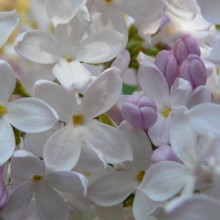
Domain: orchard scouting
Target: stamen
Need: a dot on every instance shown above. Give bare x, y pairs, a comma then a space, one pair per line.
37, 178
140, 176
3, 110
166, 112
78, 120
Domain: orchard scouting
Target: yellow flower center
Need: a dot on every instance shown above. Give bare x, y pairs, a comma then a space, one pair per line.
140, 176
78, 120
69, 60
109, 1
3, 110
166, 112
37, 178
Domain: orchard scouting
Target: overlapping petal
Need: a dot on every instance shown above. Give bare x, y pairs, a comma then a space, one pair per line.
102, 94
25, 165
67, 181
7, 81
8, 22
109, 141
62, 11
62, 101
72, 75
100, 47
164, 180
62, 150
49, 204
7, 141
38, 47
112, 189
31, 115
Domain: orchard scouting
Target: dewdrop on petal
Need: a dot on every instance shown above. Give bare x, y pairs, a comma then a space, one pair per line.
139, 111
193, 70
167, 64
184, 46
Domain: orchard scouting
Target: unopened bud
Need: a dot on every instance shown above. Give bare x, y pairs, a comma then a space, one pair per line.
184, 46
139, 111
193, 70
167, 64
164, 153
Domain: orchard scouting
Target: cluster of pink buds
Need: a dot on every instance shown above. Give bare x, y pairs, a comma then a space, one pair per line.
183, 61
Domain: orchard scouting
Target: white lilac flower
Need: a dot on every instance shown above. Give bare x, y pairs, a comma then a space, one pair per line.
35, 180
63, 148
113, 188
8, 22
166, 179
154, 85
27, 114
109, 14
68, 49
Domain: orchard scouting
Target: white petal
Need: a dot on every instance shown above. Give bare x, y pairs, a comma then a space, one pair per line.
100, 47
8, 22
7, 141
214, 56
49, 204
148, 10
102, 94
18, 202
7, 81
31, 115
204, 118
142, 206
91, 161
153, 82
62, 101
62, 11
68, 37
200, 207
180, 91
210, 10
38, 47
62, 150
110, 18
201, 94
67, 181
164, 180
35, 142
122, 61
109, 141
72, 75
184, 141
159, 132
112, 189
24, 165
141, 148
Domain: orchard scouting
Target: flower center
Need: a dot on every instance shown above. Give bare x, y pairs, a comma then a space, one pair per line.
37, 178
109, 1
69, 60
166, 112
140, 176
3, 110
78, 120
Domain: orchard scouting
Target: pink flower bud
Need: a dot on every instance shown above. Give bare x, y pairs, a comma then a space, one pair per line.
193, 70
139, 111
167, 64
184, 46
164, 153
